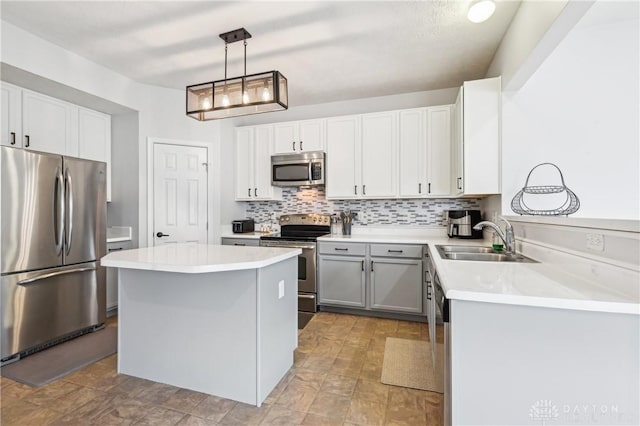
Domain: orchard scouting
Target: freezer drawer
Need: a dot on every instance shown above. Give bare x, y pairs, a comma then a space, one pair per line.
44, 306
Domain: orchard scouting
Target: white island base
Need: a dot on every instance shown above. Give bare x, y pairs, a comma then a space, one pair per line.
228, 333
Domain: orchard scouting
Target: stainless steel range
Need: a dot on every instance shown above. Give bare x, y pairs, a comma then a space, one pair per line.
301, 231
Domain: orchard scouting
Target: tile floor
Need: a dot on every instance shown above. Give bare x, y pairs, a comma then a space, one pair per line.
335, 381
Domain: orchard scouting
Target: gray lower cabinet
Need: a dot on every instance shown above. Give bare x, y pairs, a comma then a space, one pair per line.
342, 281
112, 274
240, 241
380, 277
396, 285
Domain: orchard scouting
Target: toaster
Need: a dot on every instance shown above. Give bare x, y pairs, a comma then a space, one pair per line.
243, 225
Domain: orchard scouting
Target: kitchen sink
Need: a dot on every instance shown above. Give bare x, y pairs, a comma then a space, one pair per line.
482, 254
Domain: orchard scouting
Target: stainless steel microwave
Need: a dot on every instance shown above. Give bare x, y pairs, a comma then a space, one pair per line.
304, 169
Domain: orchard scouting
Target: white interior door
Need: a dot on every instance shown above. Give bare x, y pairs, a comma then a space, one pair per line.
179, 194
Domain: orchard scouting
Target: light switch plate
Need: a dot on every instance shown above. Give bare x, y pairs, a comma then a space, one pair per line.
595, 242
281, 289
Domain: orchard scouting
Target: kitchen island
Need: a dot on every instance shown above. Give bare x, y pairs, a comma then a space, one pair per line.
215, 319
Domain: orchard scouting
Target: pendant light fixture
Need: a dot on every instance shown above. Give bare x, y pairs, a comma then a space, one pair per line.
232, 97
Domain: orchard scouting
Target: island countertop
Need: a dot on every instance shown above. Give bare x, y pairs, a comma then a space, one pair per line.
197, 258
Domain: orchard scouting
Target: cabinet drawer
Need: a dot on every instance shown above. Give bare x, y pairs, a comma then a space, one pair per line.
120, 245
350, 249
240, 242
396, 250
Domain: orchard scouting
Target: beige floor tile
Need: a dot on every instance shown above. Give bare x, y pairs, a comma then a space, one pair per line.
245, 414
75, 399
298, 396
46, 395
127, 412
319, 363
156, 416
352, 352
91, 410
214, 408
189, 420
366, 412
310, 377
371, 391
157, 393
405, 417
131, 386
339, 385
316, 420
371, 372
17, 391
278, 415
330, 405
359, 341
184, 400
347, 367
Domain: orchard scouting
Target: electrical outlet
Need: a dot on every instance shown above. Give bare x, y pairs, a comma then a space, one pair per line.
281, 289
595, 242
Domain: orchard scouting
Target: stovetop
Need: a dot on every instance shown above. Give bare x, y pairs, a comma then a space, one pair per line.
301, 227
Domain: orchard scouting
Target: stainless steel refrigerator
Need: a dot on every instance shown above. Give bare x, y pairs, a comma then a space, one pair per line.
53, 236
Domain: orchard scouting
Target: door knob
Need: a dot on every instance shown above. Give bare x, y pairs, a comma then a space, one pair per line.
160, 235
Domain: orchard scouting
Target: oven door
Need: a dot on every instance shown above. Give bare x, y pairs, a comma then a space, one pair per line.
306, 262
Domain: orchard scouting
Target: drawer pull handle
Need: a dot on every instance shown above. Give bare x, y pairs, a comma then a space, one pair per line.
239, 244
341, 249
116, 249
394, 251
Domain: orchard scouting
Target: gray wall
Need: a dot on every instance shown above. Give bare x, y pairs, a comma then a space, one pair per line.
123, 208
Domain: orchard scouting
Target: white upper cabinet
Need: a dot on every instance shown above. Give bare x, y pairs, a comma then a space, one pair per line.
439, 151
343, 157
425, 152
49, 124
254, 146
413, 152
11, 110
94, 139
379, 155
299, 136
362, 156
479, 119
457, 147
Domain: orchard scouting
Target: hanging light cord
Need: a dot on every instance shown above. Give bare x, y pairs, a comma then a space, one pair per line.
226, 45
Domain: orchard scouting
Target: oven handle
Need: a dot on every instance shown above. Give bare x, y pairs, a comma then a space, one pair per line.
306, 296
288, 245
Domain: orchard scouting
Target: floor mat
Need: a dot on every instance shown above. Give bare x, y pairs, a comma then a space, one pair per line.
408, 363
58, 361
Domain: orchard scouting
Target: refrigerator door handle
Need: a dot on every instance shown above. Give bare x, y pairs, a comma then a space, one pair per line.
55, 274
59, 212
68, 193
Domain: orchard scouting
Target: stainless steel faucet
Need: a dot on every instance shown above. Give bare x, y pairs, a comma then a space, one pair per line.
506, 236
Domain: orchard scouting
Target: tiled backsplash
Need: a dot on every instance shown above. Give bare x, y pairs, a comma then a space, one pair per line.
425, 212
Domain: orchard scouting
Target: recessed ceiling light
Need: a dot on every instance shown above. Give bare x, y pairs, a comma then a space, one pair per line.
481, 11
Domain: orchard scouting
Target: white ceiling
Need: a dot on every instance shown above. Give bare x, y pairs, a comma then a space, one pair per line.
328, 50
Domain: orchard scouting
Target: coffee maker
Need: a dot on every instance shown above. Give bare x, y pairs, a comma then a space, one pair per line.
460, 223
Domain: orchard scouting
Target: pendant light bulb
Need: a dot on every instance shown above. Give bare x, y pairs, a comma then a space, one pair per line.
245, 97
265, 94
225, 100
206, 104
481, 11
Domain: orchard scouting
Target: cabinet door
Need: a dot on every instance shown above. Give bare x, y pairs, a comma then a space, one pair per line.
244, 163
413, 147
262, 149
342, 281
112, 274
311, 135
49, 125
379, 155
94, 139
439, 155
481, 134
343, 158
396, 285
285, 136
457, 146
240, 242
11, 126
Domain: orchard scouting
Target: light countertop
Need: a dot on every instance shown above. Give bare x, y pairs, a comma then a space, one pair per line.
559, 280
247, 235
198, 258
117, 234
